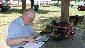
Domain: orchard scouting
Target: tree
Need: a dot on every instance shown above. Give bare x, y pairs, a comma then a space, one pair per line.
23, 5
64, 10
78, 0
32, 3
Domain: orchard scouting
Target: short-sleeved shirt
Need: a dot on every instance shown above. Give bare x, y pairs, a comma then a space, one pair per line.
18, 29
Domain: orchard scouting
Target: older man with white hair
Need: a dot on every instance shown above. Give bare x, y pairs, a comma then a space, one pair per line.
20, 29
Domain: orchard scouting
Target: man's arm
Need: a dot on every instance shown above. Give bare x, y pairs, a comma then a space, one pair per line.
14, 41
17, 41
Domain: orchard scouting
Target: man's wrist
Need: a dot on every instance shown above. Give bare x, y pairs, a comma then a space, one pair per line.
24, 39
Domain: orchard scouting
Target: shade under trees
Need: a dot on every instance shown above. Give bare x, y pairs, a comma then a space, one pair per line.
64, 8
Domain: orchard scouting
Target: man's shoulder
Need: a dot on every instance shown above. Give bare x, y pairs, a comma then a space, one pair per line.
14, 22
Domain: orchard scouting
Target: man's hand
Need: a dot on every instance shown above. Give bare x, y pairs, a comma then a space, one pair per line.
30, 39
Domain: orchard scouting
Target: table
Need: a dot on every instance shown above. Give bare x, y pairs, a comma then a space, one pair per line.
74, 42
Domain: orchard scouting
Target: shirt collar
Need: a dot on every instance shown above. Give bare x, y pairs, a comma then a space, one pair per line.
21, 21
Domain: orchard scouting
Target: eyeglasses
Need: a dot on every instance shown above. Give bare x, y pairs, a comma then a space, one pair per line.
31, 19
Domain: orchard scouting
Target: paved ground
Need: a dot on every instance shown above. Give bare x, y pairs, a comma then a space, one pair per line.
75, 42
83, 41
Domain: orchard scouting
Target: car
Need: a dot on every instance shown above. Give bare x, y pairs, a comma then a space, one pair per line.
45, 3
4, 6
56, 3
81, 7
73, 3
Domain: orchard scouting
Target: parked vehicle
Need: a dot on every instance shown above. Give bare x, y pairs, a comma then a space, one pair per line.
81, 7
73, 3
4, 6
56, 3
45, 3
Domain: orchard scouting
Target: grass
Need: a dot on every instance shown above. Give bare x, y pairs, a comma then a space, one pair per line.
43, 17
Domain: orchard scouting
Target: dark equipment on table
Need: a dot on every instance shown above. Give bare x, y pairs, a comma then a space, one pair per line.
76, 19
59, 30
63, 30
47, 30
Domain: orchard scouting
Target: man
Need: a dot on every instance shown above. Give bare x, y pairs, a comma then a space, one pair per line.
20, 29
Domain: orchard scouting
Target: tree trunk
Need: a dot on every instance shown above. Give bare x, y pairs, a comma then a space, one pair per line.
23, 5
32, 3
64, 10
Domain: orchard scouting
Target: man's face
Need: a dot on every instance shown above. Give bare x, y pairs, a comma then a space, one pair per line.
29, 18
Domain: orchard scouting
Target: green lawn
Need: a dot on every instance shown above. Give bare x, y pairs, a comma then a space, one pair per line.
43, 17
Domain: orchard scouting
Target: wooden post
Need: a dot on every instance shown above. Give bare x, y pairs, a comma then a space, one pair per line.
23, 5
64, 10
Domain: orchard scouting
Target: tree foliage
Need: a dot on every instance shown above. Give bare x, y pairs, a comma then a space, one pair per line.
56, 0
78, 0
84, 0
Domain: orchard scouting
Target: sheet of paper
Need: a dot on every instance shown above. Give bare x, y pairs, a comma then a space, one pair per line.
33, 45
